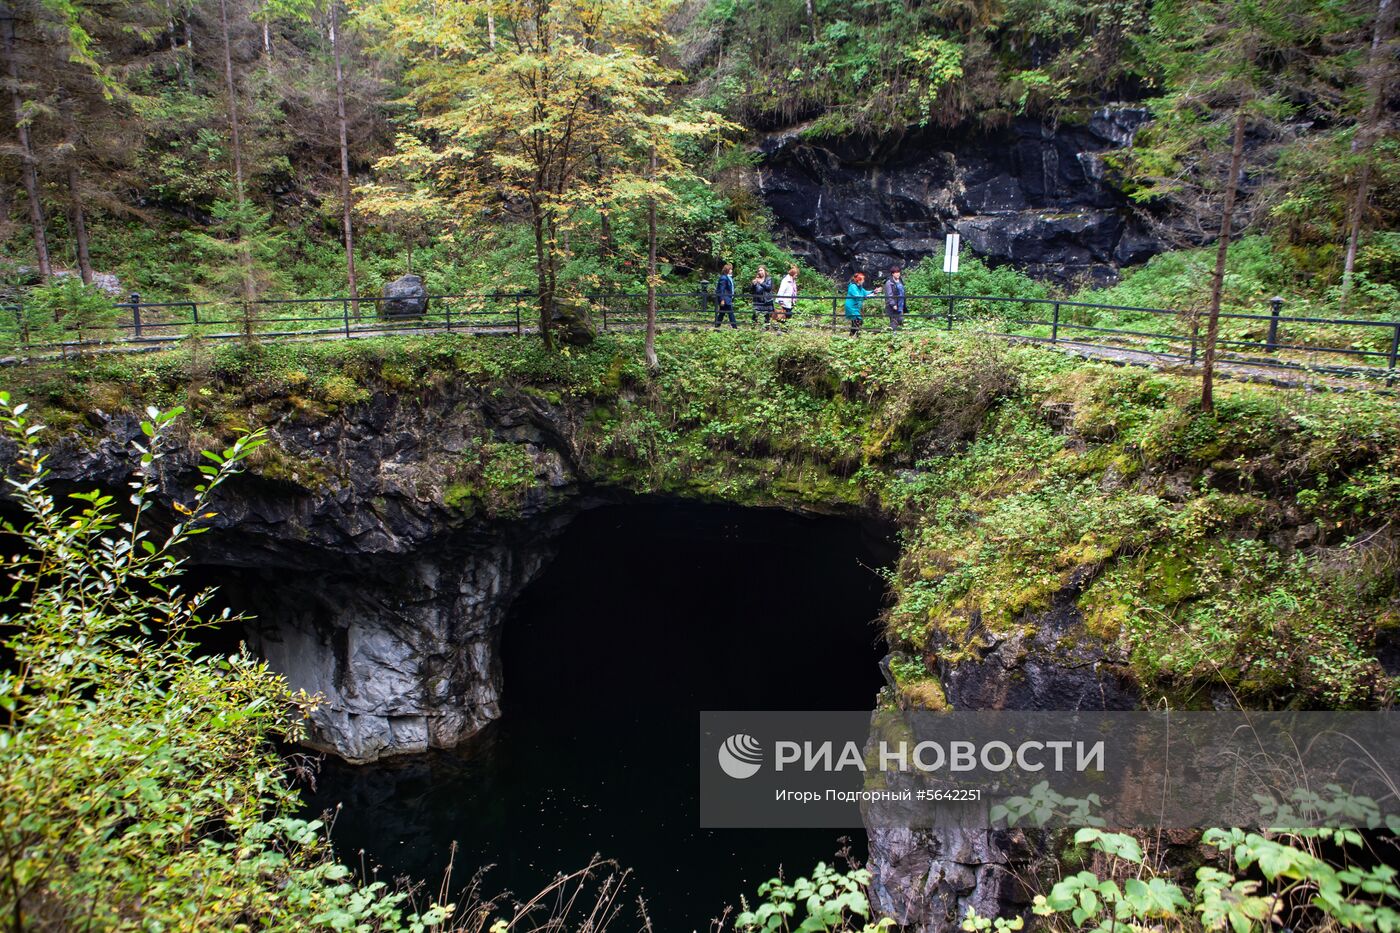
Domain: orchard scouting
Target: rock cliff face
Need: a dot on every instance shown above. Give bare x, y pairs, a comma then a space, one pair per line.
928, 880
406, 652
369, 588
1031, 195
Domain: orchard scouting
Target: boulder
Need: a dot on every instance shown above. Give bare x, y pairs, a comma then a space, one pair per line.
406, 296
572, 325
106, 282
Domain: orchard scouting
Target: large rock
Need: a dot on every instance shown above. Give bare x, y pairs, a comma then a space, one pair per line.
106, 282
572, 325
1031, 195
1044, 661
406, 296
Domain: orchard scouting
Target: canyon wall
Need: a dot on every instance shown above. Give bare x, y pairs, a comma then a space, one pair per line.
1038, 197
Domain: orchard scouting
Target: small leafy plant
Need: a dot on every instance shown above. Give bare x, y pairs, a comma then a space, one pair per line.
830, 900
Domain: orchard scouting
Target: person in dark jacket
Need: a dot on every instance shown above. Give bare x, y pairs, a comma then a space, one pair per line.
894, 299
724, 297
762, 290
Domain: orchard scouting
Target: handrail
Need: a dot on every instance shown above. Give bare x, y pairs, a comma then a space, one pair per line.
144, 324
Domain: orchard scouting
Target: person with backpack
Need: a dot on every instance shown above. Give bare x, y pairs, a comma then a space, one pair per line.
894, 299
762, 290
856, 294
724, 297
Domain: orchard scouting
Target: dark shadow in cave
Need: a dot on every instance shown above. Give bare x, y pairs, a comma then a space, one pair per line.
649, 614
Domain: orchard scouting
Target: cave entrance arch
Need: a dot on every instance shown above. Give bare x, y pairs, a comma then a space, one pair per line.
648, 613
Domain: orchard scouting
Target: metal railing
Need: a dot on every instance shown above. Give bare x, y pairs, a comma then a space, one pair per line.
1335, 346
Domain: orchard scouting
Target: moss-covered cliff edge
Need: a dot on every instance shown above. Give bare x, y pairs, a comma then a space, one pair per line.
1052, 510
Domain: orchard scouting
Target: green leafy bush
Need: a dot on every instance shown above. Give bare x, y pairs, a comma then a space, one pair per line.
830, 900
141, 787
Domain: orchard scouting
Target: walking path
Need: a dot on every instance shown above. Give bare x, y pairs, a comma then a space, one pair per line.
1285, 377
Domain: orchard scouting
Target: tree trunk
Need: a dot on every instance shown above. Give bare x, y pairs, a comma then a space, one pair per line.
606, 246
544, 295
811, 20
77, 214
188, 65
1378, 66
652, 364
244, 256
28, 169
80, 233
6, 209
231, 89
491, 29
346, 206
1217, 282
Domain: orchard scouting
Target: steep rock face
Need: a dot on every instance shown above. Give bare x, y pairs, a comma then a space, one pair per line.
405, 654
928, 880
1030, 195
373, 585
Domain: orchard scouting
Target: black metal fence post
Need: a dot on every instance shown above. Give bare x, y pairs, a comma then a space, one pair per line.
1275, 308
1394, 352
1055, 325
519, 324
136, 314
1195, 335
950, 312
345, 314
447, 313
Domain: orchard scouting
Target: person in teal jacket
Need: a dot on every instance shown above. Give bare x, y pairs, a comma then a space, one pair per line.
855, 297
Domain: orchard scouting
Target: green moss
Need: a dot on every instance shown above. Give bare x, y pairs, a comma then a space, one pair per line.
460, 496
307, 471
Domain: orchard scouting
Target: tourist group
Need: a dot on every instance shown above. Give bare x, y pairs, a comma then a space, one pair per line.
777, 307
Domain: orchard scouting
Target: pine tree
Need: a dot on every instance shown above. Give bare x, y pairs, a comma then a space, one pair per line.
1378, 76
1232, 67
29, 162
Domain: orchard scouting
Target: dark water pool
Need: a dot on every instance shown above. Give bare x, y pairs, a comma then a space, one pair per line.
649, 614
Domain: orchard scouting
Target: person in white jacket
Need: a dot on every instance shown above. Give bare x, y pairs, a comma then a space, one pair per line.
787, 297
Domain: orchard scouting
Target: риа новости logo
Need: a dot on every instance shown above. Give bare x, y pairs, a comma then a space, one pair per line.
740, 756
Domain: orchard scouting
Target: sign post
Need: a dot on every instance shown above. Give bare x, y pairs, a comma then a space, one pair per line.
951, 244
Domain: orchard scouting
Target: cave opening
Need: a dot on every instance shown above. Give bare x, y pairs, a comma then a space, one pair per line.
648, 614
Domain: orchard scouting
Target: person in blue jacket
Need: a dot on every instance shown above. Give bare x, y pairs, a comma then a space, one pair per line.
855, 297
724, 297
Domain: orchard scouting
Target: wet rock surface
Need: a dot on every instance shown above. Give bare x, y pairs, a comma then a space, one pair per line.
1036, 196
